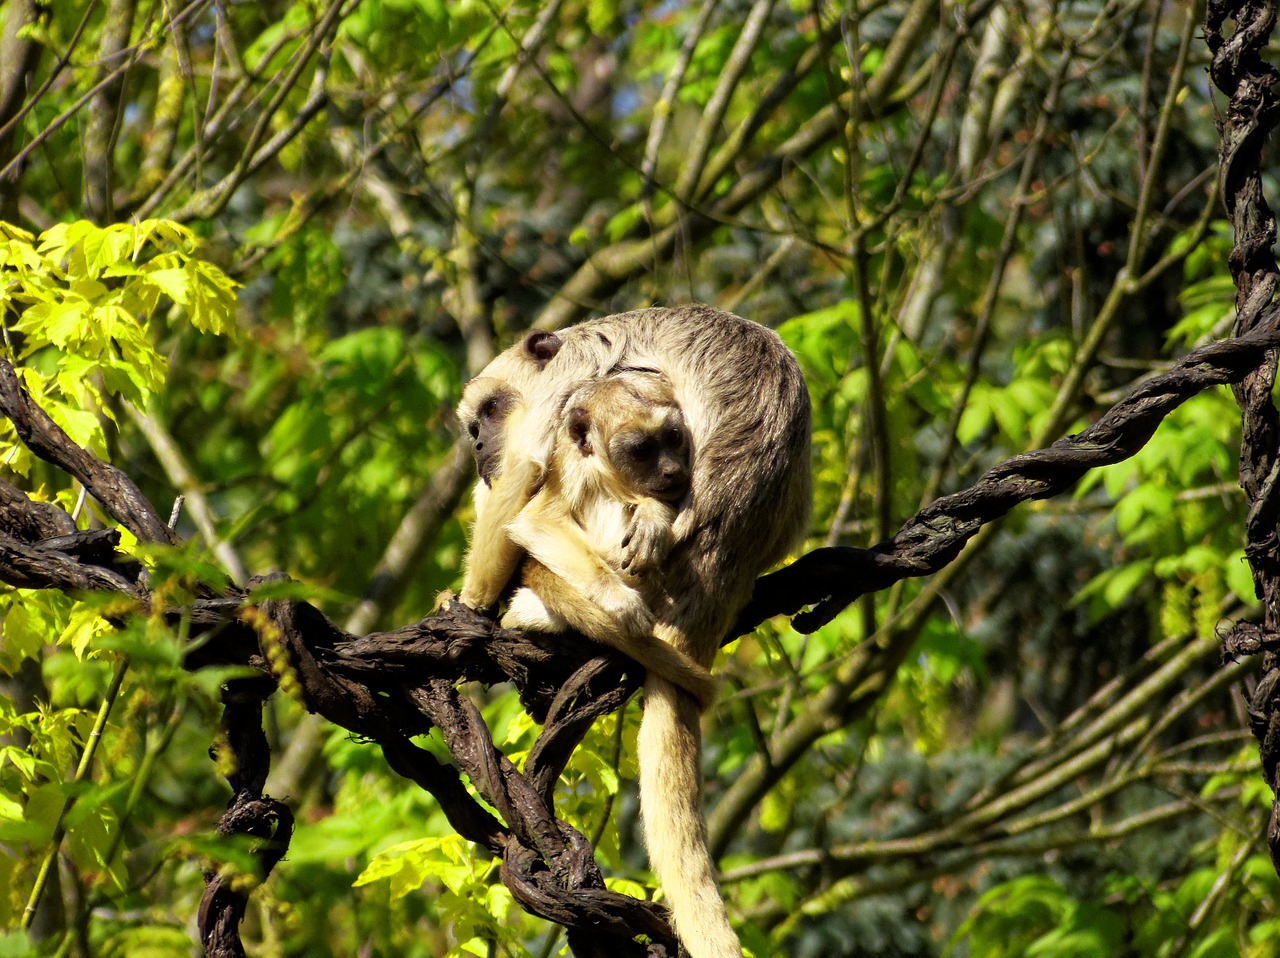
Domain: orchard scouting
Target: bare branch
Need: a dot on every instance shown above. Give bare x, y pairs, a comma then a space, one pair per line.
116, 492
18, 58
609, 268
731, 74
105, 112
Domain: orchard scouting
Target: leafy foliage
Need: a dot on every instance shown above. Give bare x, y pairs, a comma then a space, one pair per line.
250, 252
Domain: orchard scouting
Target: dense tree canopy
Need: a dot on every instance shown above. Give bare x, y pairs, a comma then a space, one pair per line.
249, 252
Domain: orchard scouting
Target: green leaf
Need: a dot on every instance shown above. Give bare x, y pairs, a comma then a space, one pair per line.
23, 635
1240, 577
86, 626
213, 301
600, 15
409, 864
823, 342
174, 282
148, 941
11, 811
1113, 587
16, 943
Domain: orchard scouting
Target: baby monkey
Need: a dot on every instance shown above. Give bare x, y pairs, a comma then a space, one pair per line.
600, 527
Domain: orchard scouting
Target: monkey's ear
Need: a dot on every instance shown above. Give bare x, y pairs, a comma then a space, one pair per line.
580, 428
541, 346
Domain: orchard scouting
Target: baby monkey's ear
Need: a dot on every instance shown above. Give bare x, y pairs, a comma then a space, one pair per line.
541, 346
580, 428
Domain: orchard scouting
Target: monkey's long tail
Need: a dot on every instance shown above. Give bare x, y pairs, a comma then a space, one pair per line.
670, 747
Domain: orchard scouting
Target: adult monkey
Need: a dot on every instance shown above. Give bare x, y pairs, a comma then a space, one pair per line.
747, 411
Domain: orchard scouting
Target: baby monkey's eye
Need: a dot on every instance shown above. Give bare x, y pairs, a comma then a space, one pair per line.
674, 437
645, 450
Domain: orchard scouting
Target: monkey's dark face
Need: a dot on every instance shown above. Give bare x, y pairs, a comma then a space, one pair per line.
489, 400
653, 457
483, 422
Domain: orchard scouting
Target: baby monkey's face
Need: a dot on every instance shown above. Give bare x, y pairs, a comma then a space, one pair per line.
633, 424
651, 453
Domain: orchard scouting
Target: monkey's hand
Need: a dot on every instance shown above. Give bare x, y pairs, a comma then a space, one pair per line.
645, 546
649, 537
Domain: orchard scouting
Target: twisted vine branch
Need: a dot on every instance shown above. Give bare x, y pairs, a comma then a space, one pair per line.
1253, 109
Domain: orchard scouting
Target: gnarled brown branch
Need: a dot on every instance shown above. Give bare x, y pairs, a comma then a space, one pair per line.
1240, 70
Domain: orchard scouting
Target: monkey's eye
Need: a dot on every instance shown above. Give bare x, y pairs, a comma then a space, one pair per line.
674, 437
489, 407
646, 450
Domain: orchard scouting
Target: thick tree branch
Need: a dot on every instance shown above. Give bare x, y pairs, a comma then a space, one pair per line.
1240, 70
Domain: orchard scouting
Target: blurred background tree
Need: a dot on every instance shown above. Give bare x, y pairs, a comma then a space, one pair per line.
975, 223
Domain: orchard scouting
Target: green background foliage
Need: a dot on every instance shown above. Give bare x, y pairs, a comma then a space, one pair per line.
250, 253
